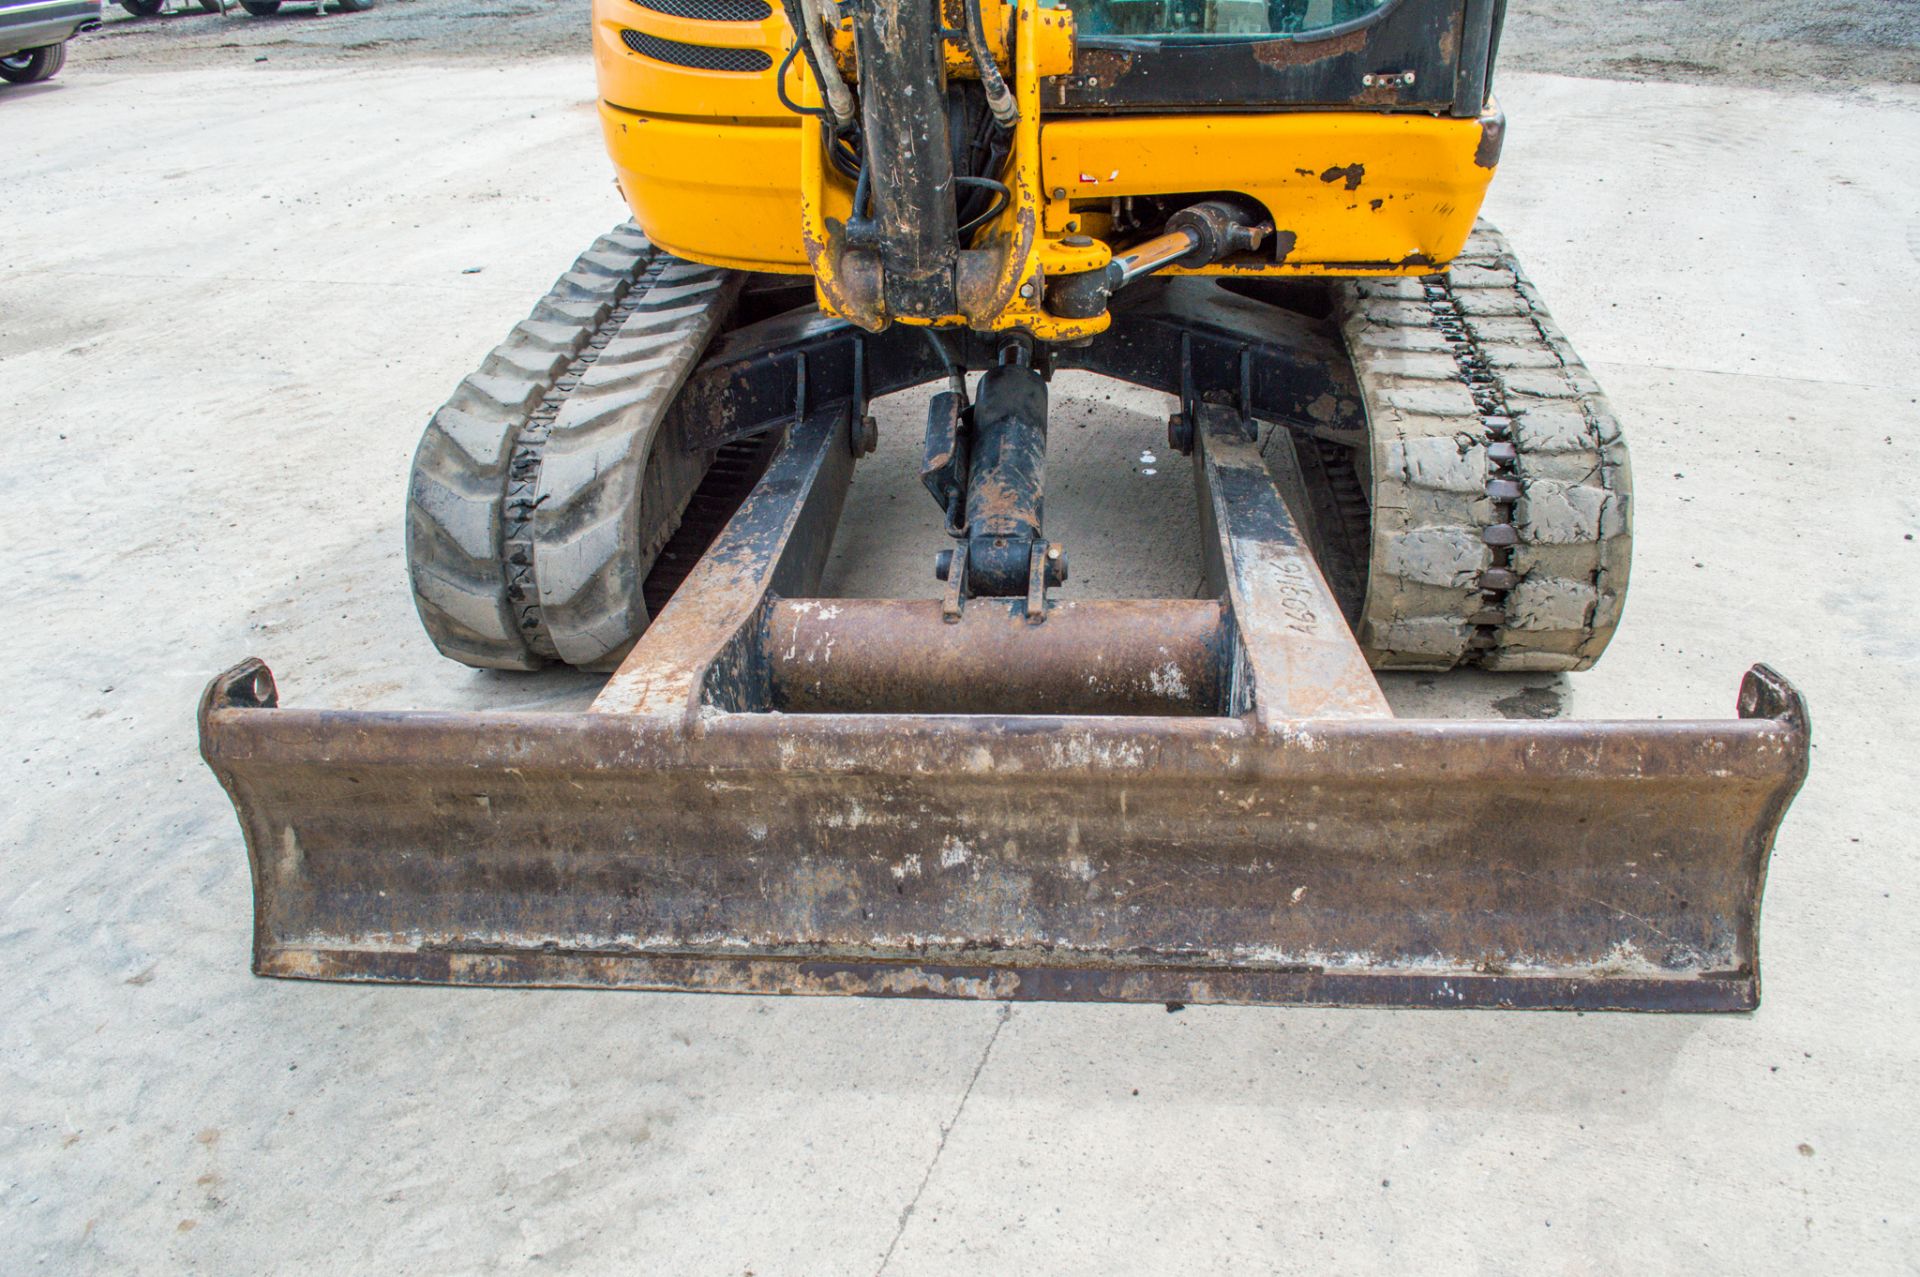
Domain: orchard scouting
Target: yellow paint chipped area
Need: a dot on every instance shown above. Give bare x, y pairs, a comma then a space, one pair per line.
1357, 192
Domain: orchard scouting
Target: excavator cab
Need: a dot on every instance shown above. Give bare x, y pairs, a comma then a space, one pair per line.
1265, 210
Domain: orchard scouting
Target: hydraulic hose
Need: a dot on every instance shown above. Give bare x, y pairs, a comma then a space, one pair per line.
839, 97
810, 40
1006, 113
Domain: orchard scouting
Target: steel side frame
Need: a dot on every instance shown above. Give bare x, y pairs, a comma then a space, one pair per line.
1282, 840
1196, 338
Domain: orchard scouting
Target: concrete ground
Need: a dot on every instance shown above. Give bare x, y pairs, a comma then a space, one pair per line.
230, 294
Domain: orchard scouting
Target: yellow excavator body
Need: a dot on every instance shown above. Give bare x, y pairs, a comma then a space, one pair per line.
718, 170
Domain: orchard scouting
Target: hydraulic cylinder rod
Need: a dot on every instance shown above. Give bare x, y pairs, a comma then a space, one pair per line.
1145, 258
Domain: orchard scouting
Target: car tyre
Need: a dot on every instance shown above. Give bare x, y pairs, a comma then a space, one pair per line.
32, 65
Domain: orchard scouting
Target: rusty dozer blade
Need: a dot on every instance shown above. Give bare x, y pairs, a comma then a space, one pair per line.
1196, 801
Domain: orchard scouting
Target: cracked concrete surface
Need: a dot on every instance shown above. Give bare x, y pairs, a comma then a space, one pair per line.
229, 298
946, 1129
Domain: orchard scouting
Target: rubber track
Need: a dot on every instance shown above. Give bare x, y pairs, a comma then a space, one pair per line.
1500, 482
469, 499
615, 478
519, 559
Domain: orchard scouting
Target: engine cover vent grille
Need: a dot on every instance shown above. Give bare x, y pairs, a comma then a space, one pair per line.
701, 57
711, 10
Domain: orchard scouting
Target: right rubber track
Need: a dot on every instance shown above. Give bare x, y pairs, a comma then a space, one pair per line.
1502, 499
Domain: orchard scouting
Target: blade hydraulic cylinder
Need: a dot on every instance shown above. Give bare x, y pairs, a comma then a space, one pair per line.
1006, 481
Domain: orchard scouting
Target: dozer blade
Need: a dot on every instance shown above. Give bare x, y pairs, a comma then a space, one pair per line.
1194, 801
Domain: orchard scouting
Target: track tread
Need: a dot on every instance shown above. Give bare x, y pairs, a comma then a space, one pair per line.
1452, 368
456, 515
613, 482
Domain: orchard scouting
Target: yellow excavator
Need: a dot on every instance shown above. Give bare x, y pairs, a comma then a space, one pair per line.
1265, 209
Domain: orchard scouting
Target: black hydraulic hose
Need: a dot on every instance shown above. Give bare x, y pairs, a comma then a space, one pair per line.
846, 154
780, 86
1002, 198
859, 192
797, 19
999, 97
957, 383
954, 370
956, 375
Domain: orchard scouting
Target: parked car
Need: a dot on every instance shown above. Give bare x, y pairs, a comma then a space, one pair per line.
34, 35
261, 8
147, 8
258, 8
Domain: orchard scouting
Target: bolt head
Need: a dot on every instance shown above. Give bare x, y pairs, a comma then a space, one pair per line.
864, 437
1180, 433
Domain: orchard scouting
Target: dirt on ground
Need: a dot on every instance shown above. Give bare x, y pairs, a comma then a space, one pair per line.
1780, 43
1802, 43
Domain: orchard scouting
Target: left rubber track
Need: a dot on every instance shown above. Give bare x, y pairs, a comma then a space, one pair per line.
543, 488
